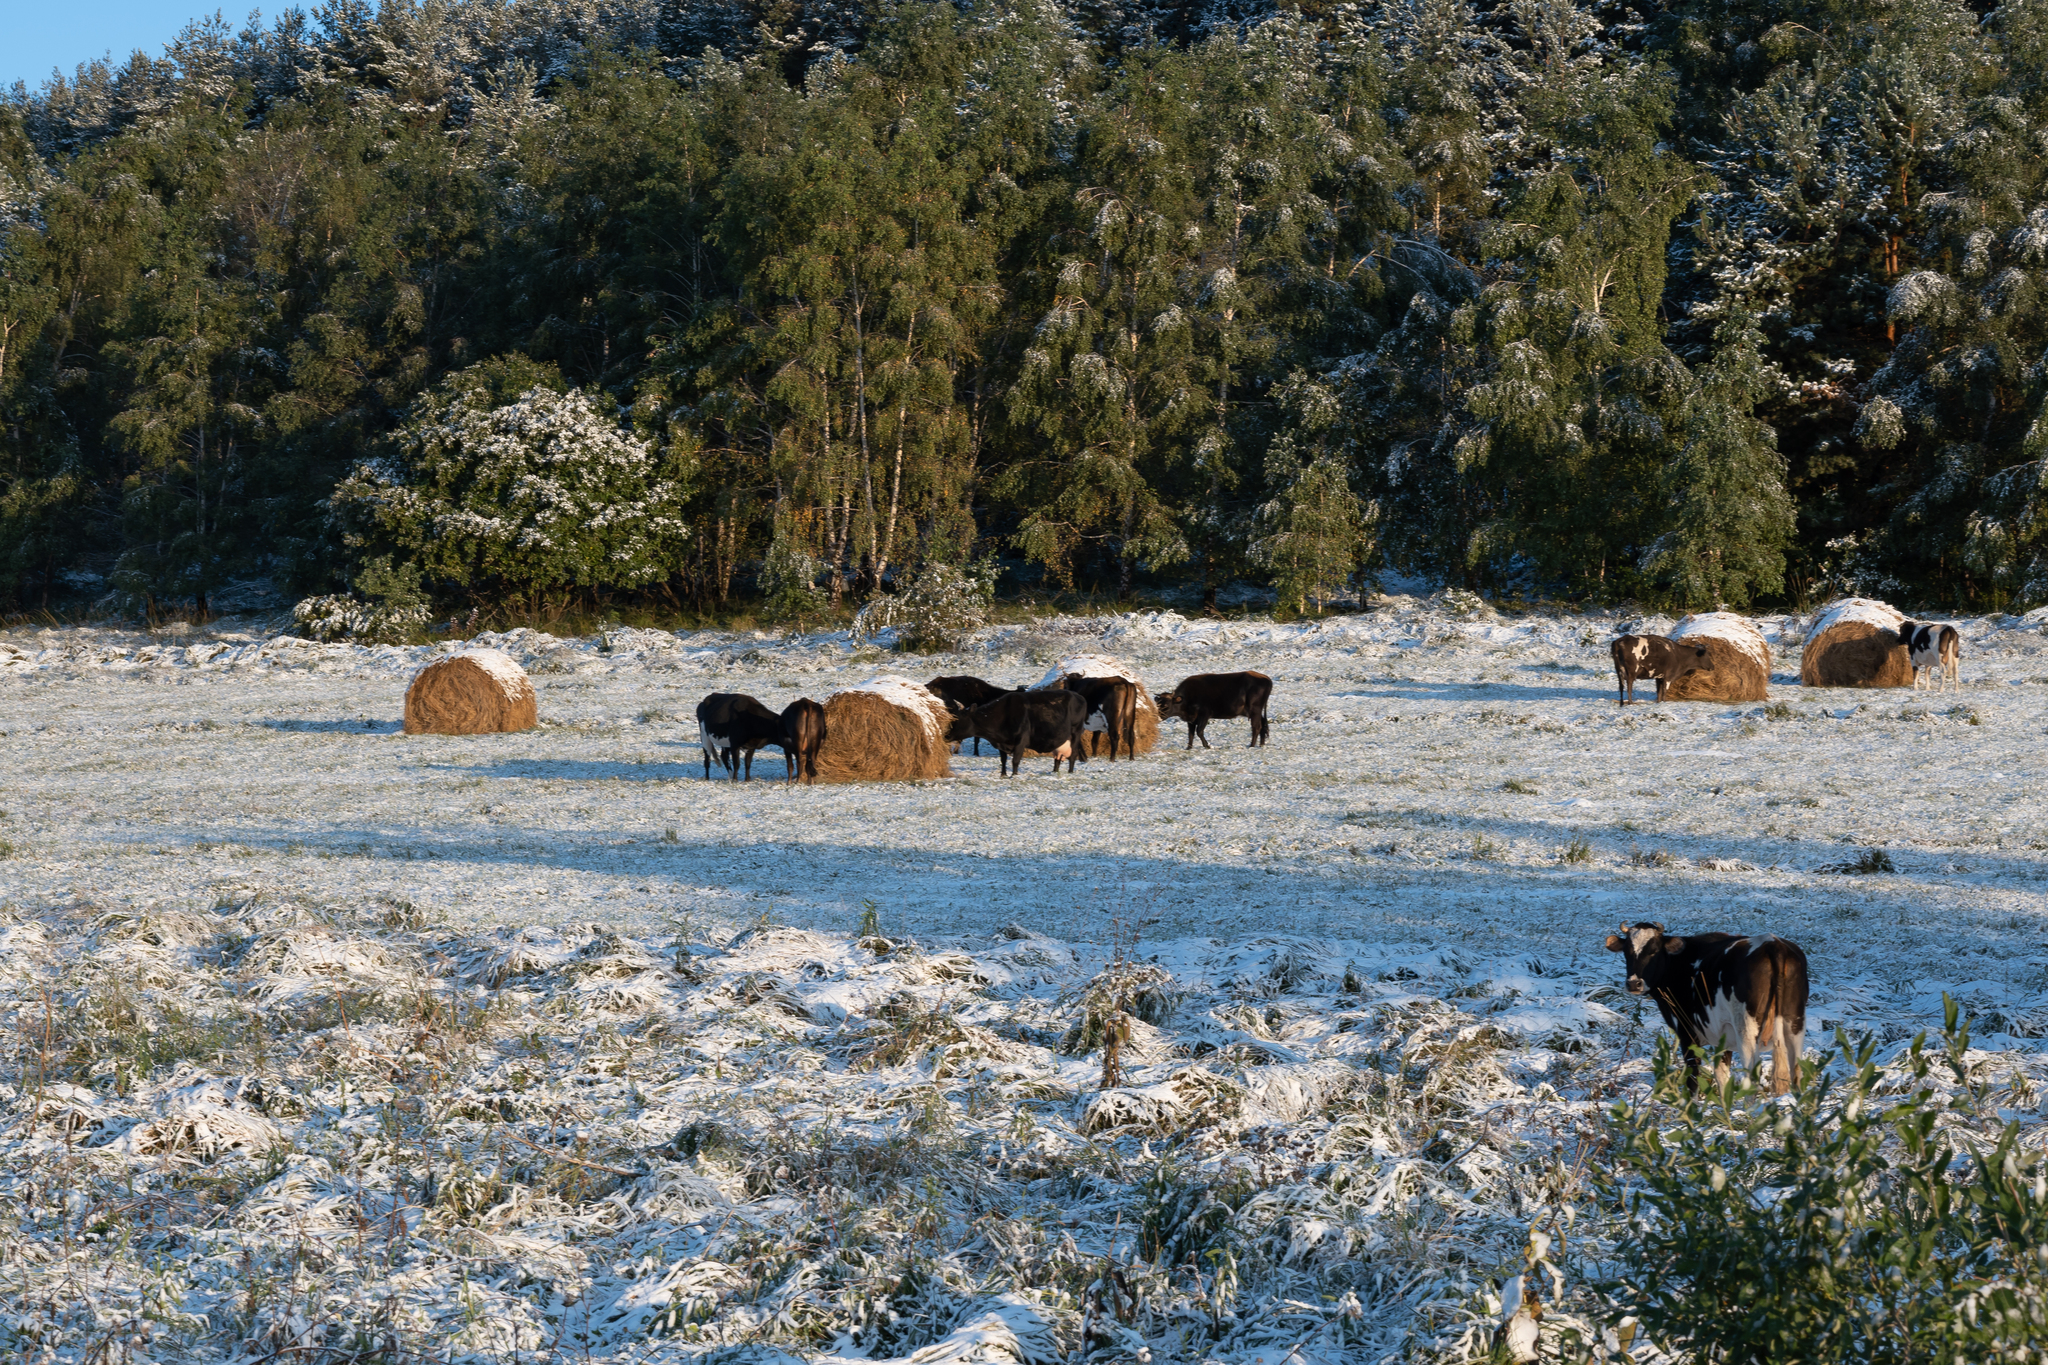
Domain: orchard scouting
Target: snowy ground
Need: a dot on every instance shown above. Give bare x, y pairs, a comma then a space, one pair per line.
282, 978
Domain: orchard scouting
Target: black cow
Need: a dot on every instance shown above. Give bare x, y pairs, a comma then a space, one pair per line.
730, 726
967, 691
1717, 991
1052, 722
1219, 696
1112, 708
1935, 649
803, 732
1655, 656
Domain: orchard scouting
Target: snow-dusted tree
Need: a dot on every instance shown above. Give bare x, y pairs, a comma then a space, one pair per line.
1315, 530
542, 495
1730, 517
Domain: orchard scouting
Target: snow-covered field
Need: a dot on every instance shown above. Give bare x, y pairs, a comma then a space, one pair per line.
326, 1036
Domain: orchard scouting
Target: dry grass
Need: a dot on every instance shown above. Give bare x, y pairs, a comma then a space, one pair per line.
870, 739
460, 696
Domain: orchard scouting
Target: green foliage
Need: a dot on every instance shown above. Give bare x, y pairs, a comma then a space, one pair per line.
1317, 293
1846, 1222
537, 492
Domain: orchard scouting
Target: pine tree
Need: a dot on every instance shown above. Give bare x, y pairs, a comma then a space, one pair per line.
1730, 518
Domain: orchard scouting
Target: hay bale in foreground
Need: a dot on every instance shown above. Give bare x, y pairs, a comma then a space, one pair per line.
1103, 666
888, 729
1740, 655
480, 692
1854, 642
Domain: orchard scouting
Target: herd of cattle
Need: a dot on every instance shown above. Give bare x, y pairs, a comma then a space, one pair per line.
731, 726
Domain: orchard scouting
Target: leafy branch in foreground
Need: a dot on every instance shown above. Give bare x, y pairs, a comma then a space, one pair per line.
1864, 1219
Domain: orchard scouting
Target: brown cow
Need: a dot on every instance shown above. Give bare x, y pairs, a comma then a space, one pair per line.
1114, 703
1219, 696
803, 734
1719, 992
1655, 656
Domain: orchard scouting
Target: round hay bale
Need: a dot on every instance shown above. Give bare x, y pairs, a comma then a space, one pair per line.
1740, 655
1104, 666
479, 692
1854, 642
887, 729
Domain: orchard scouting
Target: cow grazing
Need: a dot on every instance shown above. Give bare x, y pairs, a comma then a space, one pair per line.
1112, 708
1655, 656
967, 691
1219, 696
1045, 722
1717, 991
803, 734
1934, 649
731, 726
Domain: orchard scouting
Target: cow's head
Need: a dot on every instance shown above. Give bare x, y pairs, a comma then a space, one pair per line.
1699, 662
1642, 944
1169, 706
959, 721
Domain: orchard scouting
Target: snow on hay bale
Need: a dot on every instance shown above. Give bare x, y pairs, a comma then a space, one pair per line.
1104, 666
478, 692
888, 729
1855, 642
1740, 655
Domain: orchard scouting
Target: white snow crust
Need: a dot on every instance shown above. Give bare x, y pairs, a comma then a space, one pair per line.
539, 1047
910, 696
1727, 625
1866, 610
504, 670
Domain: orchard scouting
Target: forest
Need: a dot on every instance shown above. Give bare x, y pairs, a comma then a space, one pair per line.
538, 305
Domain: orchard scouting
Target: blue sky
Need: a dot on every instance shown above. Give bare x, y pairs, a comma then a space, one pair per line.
36, 35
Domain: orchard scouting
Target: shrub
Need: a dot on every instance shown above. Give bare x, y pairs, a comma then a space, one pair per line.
1843, 1223
547, 491
937, 611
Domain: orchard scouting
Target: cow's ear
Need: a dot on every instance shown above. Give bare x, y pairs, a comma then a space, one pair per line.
1614, 943
1674, 946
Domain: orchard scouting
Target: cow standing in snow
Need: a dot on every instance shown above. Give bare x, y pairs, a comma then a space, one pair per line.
1933, 649
1112, 709
730, 727
1219, 696
1050, 722
1655, 656
1717, 991
803, 734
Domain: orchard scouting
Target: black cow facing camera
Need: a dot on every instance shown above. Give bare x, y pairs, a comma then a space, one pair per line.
1720, 992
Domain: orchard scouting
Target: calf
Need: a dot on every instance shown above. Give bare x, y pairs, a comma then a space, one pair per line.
803, 734
1935, 649
1112, 708
967, 691
1718, 991
1655, 656
1044, 722
1219, 696
730, 726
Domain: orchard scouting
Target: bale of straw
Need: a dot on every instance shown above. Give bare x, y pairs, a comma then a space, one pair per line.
887, 729
1104, 666
480, 692
1854, 642
1740, 655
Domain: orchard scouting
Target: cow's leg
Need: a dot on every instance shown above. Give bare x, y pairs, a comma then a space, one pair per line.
1785, 1056
1203, 731
1692, 1071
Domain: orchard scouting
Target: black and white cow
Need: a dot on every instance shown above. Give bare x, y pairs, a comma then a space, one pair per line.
730, 726
1934, 649
1720, 992
1654, 656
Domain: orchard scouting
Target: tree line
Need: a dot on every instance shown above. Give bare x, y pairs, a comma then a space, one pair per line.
1732, 301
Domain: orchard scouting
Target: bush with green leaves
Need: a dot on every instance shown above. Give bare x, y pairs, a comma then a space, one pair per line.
1857, 1220
937, 611
534, 493
396, 610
